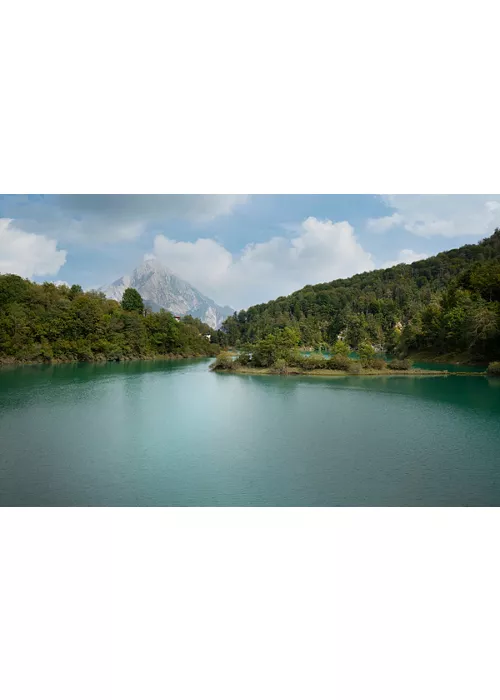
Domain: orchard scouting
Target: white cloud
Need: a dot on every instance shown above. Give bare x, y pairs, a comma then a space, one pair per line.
384, 223
28, 254
96, 218
125, 217
492, 206
322, 251
448, 215
406, 256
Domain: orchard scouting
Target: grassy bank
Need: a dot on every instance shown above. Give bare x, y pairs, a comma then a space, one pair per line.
364, 372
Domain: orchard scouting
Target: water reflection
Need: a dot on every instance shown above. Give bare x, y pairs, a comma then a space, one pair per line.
32, 383
478, 393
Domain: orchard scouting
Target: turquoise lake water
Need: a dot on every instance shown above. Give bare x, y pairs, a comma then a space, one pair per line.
175, 434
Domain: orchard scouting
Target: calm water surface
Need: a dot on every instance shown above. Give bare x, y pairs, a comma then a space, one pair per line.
174, 434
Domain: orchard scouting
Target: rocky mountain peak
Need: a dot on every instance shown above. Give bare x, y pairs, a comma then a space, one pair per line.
160, 288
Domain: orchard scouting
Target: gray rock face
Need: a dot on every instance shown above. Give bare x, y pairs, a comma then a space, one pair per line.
161, 289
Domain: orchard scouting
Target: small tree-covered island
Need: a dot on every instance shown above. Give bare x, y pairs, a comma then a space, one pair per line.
278, 353
444, 308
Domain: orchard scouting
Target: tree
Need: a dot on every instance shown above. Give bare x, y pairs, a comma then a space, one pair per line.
281, 345
366, 353
356, 330
163, 332
132, 301
485, 278
340, 347
231, 330
287, 339
75, 291
483, 328
45, 323
12, 288
378, 306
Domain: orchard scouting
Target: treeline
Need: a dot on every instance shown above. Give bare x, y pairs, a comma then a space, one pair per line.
447, 304
44, 323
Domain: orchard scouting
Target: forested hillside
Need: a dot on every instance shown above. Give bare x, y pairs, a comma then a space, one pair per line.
44, 323
447, 304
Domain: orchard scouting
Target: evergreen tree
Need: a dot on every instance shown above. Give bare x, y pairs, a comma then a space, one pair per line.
132, 301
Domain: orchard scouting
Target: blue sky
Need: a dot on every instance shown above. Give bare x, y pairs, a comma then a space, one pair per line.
237, 249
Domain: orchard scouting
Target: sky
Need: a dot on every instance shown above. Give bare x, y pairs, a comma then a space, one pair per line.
237, 249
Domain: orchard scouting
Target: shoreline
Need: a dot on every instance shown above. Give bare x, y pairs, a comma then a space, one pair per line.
12, 362
297, 371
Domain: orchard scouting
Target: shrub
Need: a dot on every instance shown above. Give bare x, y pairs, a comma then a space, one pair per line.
111, 351
339, 362
400, 364
301, 361
317, 360
377, 363
295, 358
494, 369
314, 361
46, 353
244, 358
223, 361
84, 353
114, 355
280, 367
31, 353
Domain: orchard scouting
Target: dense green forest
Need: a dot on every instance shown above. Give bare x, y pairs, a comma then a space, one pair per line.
45, 323
448, 304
